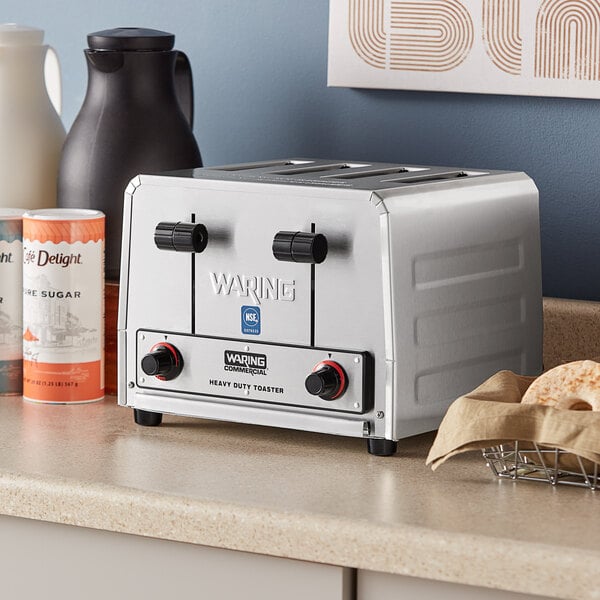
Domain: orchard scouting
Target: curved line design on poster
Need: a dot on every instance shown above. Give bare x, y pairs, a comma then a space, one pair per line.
567, 40
367, 34
424, 36
537, 47
429, 36
502, 34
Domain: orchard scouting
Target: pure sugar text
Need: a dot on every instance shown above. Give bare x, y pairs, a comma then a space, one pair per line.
50, 293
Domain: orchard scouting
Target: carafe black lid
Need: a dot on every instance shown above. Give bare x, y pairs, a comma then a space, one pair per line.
131, 38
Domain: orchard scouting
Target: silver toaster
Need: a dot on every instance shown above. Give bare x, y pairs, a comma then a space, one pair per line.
357, 299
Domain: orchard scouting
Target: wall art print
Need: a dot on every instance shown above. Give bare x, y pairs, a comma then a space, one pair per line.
524, 47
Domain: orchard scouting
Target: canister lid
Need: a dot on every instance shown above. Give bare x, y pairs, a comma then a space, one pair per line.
131, 38
9, 214
12, 34
63, 214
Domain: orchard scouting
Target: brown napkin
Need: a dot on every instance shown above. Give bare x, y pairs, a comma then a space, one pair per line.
493, 414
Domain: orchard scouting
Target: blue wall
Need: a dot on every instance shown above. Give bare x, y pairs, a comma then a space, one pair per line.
260, 70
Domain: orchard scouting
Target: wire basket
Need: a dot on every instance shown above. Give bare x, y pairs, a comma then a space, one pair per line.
529, 461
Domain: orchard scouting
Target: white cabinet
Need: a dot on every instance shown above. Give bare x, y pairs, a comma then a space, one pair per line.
383, 586
61, 562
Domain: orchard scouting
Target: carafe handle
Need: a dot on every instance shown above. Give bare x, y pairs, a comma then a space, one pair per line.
52, 78
184, 86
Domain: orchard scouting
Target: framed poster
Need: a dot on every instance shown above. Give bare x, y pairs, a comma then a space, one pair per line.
524, 47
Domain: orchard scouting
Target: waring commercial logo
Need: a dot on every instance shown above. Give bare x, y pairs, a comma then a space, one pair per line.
255, 287
245, 362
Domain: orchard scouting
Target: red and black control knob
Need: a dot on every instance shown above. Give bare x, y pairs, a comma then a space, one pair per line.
328, 380
163, 361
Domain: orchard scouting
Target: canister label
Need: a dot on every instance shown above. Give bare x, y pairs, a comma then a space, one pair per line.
11, 246
63, 309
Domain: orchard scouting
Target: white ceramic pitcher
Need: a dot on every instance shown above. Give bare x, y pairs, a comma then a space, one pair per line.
31, 132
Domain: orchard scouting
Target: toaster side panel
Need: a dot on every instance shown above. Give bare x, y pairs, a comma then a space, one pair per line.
465, 287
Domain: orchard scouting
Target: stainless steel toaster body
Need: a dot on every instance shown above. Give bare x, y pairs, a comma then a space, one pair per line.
357, 299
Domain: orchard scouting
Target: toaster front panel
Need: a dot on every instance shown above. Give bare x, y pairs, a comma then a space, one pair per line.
251, 328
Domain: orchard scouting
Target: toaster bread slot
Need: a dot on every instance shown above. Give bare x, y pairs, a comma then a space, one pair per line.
374, 173
433, 177
261, 165
319, 168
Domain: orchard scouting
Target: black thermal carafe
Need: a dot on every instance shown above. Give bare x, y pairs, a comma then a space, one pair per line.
137, 117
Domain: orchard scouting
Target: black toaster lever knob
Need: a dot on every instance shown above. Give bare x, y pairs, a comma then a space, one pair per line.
300, 247
328, 380
181, 237
163, 361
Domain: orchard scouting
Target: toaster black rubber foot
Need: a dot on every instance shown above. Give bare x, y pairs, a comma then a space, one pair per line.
381, 447
147, 418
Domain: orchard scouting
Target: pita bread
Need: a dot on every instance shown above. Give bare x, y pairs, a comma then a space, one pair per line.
573, 386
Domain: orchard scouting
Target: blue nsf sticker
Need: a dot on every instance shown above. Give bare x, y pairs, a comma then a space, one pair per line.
251, 320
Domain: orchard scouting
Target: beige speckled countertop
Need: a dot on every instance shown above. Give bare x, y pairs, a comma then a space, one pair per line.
298, 495
571, 331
